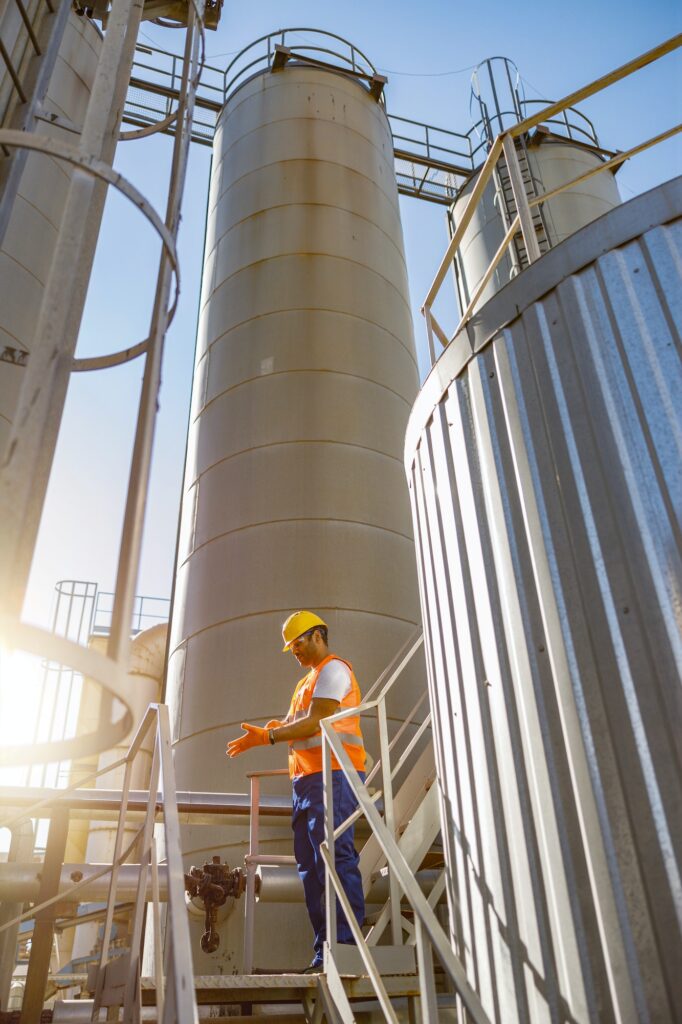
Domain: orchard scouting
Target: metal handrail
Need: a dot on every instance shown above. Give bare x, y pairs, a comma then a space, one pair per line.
254, 858
164, 805
504, 144
350, 56
428, 933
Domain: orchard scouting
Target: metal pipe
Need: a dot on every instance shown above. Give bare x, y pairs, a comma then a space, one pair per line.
21, 882
283, 885
202, 808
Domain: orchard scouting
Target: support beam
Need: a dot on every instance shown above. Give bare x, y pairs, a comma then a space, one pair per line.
43, 933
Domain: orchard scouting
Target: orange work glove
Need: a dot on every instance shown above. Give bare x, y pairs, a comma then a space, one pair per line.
253, 737
274, 723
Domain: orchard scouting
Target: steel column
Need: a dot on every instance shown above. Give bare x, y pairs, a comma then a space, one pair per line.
43, 933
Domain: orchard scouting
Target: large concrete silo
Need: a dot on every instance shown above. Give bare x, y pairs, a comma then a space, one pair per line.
294, 493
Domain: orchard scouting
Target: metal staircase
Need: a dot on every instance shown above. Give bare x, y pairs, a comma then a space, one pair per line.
509, 207
403, 962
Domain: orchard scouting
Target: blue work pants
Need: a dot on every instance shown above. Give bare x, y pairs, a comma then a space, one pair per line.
307, 823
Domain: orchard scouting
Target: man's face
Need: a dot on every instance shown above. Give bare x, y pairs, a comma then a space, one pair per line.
305, 649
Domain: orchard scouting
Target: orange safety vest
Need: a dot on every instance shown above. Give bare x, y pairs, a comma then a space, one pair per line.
305, 755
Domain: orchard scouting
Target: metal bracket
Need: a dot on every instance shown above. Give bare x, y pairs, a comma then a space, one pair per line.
282, 55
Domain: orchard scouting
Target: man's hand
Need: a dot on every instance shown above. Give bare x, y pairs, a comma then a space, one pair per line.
253, 737
274, 723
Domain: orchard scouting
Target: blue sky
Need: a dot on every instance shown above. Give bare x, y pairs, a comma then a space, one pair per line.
427, 52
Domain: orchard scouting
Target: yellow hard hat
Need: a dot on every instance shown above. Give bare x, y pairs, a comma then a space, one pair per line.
297, 624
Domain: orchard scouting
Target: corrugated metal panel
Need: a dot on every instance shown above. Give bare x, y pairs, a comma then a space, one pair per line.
546, 486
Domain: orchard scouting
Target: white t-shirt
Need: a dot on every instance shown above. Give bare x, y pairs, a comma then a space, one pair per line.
333, 682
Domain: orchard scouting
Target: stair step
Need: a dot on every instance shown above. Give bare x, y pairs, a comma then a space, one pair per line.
281, 988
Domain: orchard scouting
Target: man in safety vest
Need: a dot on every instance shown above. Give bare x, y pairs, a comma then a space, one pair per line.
328, 687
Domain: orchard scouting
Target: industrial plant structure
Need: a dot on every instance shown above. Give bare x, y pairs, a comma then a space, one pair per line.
499, 550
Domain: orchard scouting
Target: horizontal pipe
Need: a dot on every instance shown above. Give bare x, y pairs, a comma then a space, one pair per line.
107, 802
21, 882
283, 885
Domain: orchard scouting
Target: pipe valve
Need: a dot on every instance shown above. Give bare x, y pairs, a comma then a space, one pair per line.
213, 884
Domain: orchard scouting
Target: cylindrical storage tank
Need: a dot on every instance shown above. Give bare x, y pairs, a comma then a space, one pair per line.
543, 459
294, 490
27, 248
548, 161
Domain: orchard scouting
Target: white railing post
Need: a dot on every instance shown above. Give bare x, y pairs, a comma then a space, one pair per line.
132, 992
329, 894
250, 896
389, 818
427, 984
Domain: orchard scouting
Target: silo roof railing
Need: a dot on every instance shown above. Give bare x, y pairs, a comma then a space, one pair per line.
504, 147
307, 44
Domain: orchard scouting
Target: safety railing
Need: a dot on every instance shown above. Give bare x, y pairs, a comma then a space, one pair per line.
504, 146
118, 973
309, 44
425, 932
255, 858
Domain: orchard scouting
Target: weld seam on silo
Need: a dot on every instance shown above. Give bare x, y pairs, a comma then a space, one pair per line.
37, 210
8, 255
312, 252
598, 842
312, 206
327, 371
292, 83
276, 444
226, 725
284, 611
304, 309
295, 519
305, 160
263, 126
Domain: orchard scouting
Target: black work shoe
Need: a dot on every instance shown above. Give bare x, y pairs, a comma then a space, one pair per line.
314, 969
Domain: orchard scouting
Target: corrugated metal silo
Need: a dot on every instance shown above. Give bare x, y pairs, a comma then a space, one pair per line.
294, 489
543, 458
